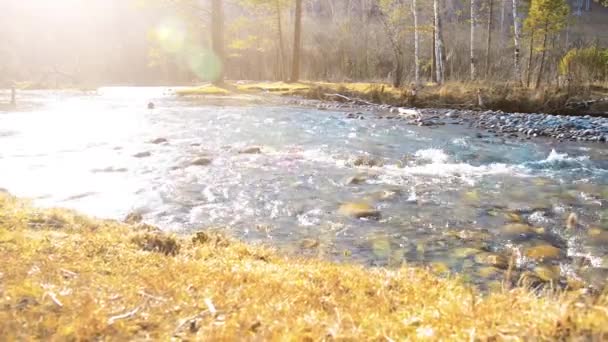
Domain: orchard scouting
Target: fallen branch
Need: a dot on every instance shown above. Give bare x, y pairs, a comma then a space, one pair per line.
123, 316
353, 100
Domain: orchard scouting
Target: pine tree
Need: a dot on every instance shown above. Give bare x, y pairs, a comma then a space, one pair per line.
546, 18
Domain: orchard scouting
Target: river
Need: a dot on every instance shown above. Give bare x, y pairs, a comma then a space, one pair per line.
446, 197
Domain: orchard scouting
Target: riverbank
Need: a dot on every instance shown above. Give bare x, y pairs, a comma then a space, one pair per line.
500, 110
66, 276
590, 100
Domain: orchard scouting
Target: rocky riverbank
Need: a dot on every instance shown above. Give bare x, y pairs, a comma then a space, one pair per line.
515, 125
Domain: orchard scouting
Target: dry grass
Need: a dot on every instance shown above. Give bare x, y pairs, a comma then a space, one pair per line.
68, 277
208, 89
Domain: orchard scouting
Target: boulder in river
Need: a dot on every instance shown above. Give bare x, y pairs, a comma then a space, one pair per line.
543, 252
201, 161
158, 141
492, 259
572, 221
366, 160
359, 210
142, 154
251, 150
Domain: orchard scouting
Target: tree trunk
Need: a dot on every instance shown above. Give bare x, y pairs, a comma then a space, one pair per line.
295, 67
516, 38
542, 57
282, 75
434, 53
416, 43
398, 72
489, 41
439, 68
529, 71
217, 39
473, 24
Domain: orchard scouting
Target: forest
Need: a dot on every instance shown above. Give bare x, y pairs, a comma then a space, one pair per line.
401, 42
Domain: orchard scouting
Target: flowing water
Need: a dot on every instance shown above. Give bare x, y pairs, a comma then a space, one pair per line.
446, 197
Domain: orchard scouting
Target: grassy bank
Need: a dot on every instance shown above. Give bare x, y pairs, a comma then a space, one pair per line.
500, 96
66, 276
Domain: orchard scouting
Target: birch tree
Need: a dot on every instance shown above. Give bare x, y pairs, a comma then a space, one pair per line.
439, 66
297, 43
489, 35
416, 42
516, 41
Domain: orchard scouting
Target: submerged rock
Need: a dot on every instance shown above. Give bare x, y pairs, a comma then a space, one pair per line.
572, 221
251, 150
158, 141
359, 210
201, 162
357, 179
543, 252
547, 273
368, 161
492, 259
142, 154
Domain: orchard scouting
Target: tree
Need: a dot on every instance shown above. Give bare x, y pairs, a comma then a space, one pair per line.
546, 17
489, 35
516, 40
416, 43
473, 24
439, 66
217, 38
297, 43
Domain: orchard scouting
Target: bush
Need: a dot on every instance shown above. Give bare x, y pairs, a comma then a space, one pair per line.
585, 65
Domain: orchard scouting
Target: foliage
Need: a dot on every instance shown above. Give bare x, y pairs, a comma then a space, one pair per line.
68, 277
585, 64
547, 16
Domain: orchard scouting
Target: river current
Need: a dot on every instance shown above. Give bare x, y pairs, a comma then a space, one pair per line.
447, 197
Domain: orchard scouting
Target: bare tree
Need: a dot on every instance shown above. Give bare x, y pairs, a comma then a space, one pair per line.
489, 34
473, 24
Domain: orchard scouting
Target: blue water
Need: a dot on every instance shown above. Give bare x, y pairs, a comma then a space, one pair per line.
76, 150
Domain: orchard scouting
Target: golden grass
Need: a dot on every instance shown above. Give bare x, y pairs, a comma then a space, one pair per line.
208, 89
64, 276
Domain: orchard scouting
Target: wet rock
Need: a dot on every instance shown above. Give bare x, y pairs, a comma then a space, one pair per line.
309, 243
367, 161
469, 235
465, 252
356, 179
572, 221
201, 162
384, 195
251, 150
543, 252
142, 154
151, 105
489, 271
110, 169
492, 259
133, 218
518, 230
547, 273
359, 210
158, 141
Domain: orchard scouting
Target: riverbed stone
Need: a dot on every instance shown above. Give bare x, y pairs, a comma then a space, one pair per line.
368, 161
492, 259
518, 229
203, 161
251, 150
359, 210
158, 141
543, 252
547, 273
142, 154
465, 252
